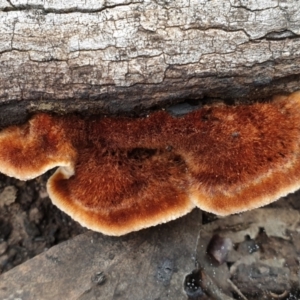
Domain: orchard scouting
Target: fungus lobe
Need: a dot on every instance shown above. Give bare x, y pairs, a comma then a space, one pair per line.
118, 175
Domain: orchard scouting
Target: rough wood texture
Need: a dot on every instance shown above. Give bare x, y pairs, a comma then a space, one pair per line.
150, 264
155, 263
125, 56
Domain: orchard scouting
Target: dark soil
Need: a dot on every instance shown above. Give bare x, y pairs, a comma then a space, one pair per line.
29, 222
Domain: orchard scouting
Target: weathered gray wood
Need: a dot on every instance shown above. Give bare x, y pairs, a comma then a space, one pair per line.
149, 264
124, 56
153, 263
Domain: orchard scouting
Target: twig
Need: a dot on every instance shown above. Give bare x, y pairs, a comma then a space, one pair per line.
281, 296
212, 289
236, 289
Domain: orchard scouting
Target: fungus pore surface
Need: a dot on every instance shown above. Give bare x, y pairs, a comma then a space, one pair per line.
118, 175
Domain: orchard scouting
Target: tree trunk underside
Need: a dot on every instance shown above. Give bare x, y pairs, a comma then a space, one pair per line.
122, 56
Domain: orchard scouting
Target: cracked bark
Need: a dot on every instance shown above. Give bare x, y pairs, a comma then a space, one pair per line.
128, 56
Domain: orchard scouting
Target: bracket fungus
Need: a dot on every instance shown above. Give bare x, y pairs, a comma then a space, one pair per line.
117, 175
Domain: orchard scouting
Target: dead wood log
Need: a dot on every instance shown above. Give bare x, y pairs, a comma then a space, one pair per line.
126, 56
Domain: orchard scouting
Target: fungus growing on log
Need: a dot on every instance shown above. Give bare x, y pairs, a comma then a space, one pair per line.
118, 175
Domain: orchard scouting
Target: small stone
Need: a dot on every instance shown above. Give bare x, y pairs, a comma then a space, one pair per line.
8, 195
43, 193
218, 248
35, 215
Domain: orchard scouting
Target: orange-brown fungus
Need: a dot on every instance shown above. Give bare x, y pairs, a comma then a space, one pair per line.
118, 175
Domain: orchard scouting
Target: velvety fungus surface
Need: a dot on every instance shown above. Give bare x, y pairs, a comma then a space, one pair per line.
118, 175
